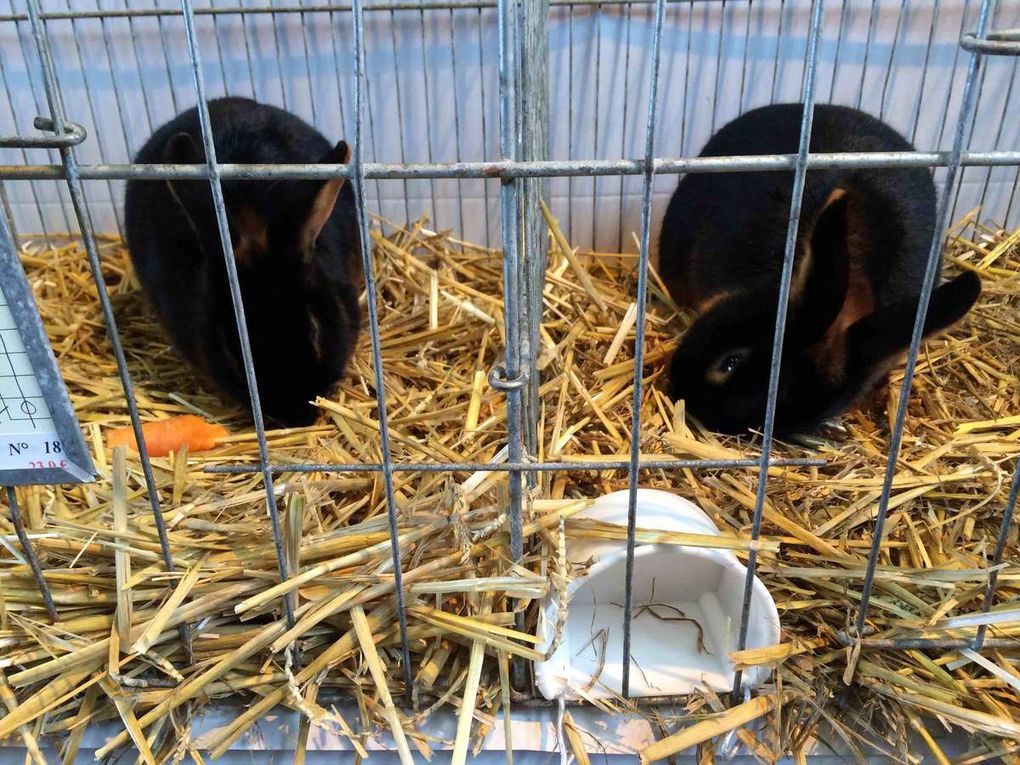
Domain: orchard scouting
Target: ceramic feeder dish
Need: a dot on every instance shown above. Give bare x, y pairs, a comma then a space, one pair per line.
686, 615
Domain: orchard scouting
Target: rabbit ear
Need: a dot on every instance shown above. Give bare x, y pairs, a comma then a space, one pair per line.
252, 233
325, 198
341, 153
181, 150
879, 337
822, 279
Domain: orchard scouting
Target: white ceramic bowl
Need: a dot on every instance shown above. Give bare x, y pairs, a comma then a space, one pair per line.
699, 584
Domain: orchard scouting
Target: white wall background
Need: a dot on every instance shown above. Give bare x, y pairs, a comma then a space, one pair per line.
433, 92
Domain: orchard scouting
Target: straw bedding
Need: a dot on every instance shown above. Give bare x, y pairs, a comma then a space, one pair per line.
116, 652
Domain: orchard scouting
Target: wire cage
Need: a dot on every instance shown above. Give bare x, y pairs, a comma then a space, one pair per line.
473, 111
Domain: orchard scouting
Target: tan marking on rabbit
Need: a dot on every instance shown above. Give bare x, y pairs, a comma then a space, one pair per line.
802, 268
703, 306
831, 353
252, 236
323, 204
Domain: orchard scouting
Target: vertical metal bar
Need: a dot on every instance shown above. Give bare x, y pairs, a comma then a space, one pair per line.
40, 109
400, 114
428, 115
1007, 104
509, 146
570, 118
138, 64
892, 58
927, 286
235, 296
26, 546
360, 80
779, 48
8, 213
839, 49
169, 68
639, 339
628, 11
511, 233
1016, 177
797, 195
1012, 198
288, 103
1000, 547
117, 99
220, 47
510, 47
336, 67
485, 131
719, 65
74, 187
743, 66
924, 70
308, 65
24, 155
372, 135
99, 134
687, 80
247, 55
456, 120
867, 51
595, 125
964, 26
970, 134
141, 79
534, 128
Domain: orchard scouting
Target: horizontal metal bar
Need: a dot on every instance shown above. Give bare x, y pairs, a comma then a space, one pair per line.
520, 169
513, 467
72, 135
1002, 43
528, 698
531, 701
914, 644
237, 10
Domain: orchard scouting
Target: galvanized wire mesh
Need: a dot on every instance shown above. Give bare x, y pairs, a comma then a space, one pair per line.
509, 98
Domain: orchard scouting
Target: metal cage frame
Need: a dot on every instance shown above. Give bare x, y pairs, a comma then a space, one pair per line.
521, 170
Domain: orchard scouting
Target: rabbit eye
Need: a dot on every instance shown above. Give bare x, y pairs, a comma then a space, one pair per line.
726, 365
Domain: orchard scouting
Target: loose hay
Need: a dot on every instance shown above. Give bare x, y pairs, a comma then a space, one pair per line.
116, 652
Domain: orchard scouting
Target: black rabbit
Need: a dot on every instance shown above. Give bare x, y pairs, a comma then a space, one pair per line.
296, 246
863, 242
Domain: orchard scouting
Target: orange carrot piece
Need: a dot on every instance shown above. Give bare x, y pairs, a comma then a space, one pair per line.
165, 436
